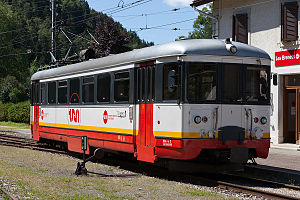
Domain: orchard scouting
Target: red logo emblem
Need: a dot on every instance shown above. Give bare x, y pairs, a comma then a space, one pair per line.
105, 117
74, 115
42, 115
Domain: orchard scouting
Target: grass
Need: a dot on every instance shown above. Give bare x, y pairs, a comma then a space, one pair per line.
3, 195
199, 193
15, 125
41, 175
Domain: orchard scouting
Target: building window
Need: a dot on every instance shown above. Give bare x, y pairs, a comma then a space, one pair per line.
240, 28
103, 88
121, 86
88, 89
289, 21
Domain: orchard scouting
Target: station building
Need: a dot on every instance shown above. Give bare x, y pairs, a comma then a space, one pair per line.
272, 25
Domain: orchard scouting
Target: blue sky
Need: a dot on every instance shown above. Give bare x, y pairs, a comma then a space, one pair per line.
152, 14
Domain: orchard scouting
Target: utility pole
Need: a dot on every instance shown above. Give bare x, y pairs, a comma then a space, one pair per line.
53, 43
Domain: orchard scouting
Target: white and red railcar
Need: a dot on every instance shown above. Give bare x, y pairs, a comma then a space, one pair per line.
182, 100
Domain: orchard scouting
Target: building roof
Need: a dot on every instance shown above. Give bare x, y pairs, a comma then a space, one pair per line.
200, 2
210, 47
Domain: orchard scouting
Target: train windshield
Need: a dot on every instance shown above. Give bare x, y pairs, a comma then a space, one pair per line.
202, 82
257, 87
227, 83
245, 83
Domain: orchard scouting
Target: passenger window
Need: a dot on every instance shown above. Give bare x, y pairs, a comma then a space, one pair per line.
43, 93
52, 92
170, 81
62, 92
121, 86
35, 93
232, 83
74, 90
202, 82
88, 89
103, 88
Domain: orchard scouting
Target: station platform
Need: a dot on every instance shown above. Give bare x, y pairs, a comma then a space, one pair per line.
285, 156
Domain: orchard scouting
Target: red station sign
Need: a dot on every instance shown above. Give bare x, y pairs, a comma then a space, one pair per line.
291, 57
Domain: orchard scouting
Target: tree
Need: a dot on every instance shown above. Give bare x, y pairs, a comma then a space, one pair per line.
202, 25
112, 38
11, 90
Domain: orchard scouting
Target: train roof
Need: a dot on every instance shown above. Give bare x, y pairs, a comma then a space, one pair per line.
211, 47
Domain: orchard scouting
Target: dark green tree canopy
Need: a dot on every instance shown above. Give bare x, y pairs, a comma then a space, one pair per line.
25, 36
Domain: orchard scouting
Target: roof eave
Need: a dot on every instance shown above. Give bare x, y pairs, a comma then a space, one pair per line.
197, 3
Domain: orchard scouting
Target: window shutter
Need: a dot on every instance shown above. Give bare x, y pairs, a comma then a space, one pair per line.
289, 21
241, 28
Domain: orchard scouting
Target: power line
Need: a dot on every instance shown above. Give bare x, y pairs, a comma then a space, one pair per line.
159, 26
173, 11
113, 10
108, 9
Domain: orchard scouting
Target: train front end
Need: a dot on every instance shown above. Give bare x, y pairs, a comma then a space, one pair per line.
225, 108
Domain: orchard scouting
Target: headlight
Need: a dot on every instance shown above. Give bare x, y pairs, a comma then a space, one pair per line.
263, 120
197, 119
231, 48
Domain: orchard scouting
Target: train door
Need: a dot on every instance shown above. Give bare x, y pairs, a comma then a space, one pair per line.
145, 87
36, 110
231, 117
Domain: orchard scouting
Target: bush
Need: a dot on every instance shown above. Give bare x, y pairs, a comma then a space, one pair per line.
3, 111
11, 90
19, 112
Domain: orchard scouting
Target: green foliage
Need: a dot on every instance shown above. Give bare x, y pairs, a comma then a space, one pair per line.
202, 25
4, 111
25, 38
19, 112
11, 90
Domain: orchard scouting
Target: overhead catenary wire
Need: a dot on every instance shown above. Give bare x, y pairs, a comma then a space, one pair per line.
135, 4
108, 10
40, 52
163, 25
96, 15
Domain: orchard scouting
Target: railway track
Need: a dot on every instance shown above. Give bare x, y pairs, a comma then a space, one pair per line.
223, 181
9, 140
273, 190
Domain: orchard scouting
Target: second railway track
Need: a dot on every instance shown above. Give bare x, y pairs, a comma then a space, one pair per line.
10, 140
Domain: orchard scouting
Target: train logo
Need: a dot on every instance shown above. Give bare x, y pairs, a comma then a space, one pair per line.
43, 115
105, 117
74, 115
